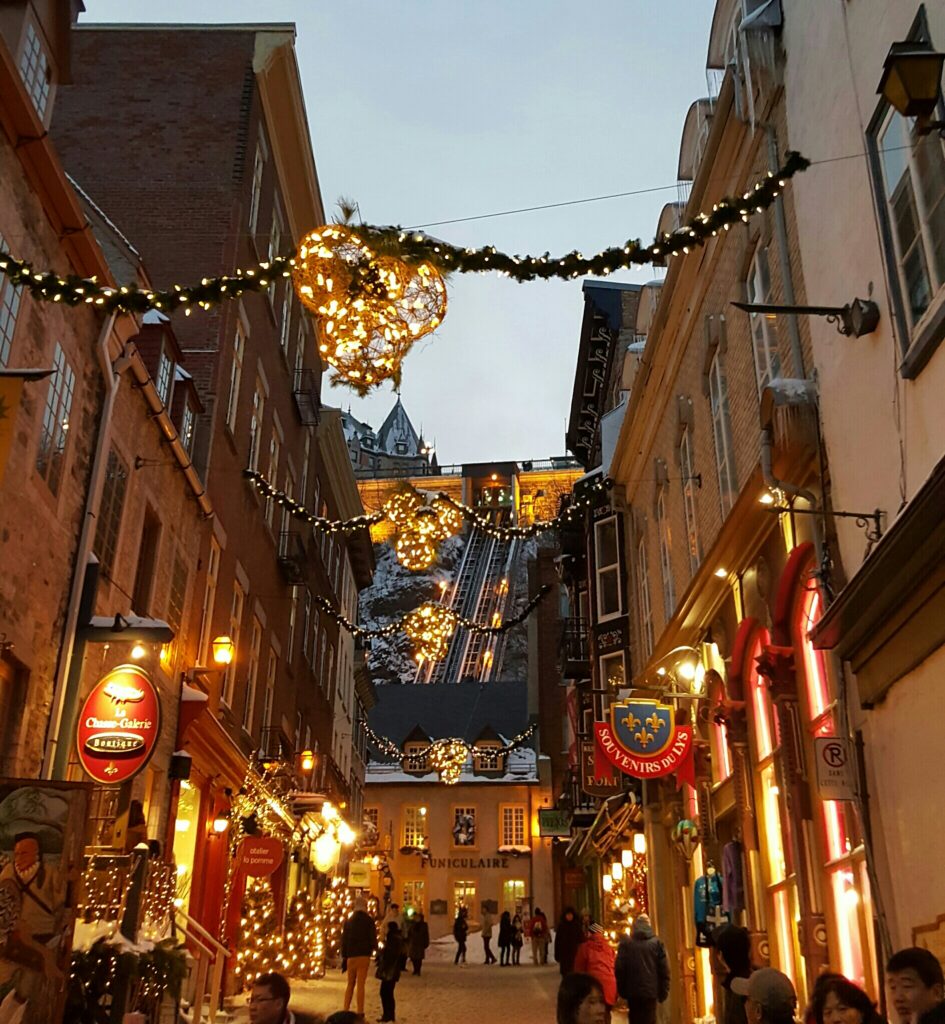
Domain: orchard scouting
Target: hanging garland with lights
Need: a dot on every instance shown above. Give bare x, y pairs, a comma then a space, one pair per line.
431, 626
409, 512
374, 291
447, 756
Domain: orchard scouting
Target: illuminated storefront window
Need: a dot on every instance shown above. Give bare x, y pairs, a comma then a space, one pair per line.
185, 840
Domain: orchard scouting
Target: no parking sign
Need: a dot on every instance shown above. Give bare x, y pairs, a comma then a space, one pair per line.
836, 779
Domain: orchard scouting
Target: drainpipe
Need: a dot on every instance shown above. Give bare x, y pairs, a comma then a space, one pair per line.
67, 653
771, 481
787, 281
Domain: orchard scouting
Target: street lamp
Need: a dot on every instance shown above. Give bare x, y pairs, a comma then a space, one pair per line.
912, 82
856, 318
223, 649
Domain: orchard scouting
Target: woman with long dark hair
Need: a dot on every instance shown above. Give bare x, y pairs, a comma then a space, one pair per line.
839, 1001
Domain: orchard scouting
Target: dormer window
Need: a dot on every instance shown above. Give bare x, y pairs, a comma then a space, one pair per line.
415, 757
187, 427
165, 375
489, 757
401, 447
35, 70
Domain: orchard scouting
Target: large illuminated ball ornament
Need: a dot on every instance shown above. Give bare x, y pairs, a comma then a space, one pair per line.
430, 627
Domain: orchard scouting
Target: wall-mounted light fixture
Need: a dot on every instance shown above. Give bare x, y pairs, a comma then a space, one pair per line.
856, 318
912, 82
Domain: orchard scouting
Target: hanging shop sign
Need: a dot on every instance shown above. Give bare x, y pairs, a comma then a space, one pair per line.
259, 856
359, 875
836, 779
643, 739
553, 823
119, 725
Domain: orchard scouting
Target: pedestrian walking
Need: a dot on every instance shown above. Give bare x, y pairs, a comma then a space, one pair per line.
839, 1001
518, 939
505, 939
642, 972
568, 937
580, 1000
595, 956
487, 925
388, 970
418, 938
916, 986
358, 943
732, 949
769, 997
460, 931
540, 937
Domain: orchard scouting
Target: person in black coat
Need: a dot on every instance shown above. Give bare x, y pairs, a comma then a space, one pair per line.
460, 931
732, 946
358, 942
568, 936
388, 969
505, 939
642, 972
418, 938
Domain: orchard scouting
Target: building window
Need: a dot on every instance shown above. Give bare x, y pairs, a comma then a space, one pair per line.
722, 431
299, 346
9, 308
612, 672
187, 427
464, 895
415, 827
513, 895
607, 557
270, 689
274, 451
306, 458
643, 600
50, 455
236, 371
512, 823
175, 611
464, 826
109, 512
912, 168
666, 562
764, 335
35, 70
413, 896
760, 701
293, 615
286, 318
147, 559
259, 168
206, 612
236, 619
372, 815
275, 241
165, 375
689, 500
252, 674
306, 626
256, 423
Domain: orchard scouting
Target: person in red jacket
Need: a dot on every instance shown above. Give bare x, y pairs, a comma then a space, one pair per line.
595, 956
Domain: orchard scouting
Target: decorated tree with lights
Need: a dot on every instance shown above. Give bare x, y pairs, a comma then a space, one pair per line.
303, 948
337, 905
260, 944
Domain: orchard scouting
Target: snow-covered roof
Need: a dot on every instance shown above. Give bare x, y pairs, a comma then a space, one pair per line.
521, 767
398, 430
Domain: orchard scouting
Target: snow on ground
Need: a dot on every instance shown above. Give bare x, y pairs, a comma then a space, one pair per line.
449, 994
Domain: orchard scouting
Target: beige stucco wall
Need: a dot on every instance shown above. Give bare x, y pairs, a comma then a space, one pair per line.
481, 863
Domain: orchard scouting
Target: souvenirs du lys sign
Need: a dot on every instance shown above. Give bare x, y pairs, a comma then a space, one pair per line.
119, 725
643, 739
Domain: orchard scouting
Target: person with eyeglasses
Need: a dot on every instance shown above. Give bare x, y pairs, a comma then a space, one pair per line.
269, 1002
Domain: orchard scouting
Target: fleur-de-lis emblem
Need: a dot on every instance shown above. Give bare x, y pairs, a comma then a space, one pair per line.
631, 722
655, 722
644, 738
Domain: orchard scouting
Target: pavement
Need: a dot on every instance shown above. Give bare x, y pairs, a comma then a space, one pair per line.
469, 993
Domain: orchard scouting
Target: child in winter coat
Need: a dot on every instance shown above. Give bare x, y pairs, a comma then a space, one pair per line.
595, 956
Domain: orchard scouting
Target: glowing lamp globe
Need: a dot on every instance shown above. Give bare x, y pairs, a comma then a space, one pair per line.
223, 650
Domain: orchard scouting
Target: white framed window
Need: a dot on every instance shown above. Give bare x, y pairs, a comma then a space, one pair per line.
293, 616
50, 455
513, 895
236, 620
306, 458
285, 321
607, 562
414, 831
613, 672
256, 423
912, 167
35, 70
666, 560
209, 595
512, 825
109, 512
306, 626
259, 169
764, 335
464, 830
299, 343
165, 376
252, 674
9, 308
643, 599
722, 432
270, 688
236, 372
187, 423
688, 479
275, 449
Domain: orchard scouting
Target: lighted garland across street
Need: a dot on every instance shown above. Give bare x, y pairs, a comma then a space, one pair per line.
449, 755
407, 509
430, 626
375, 290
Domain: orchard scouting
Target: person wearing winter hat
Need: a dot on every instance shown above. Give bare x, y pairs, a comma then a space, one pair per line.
642, 972
595, 956
769, 997
732, 947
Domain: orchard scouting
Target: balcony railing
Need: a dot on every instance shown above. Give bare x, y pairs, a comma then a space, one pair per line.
305, 389
292, 557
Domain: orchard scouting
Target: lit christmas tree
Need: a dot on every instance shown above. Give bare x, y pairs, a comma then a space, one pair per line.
303, 948
337, 907
259, 941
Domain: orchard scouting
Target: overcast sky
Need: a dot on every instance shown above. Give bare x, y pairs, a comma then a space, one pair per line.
430, 110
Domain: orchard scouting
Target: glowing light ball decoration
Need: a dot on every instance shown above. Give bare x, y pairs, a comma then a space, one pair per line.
402, 508
415, 550
430, 627
447, 758
450, 518
370, 308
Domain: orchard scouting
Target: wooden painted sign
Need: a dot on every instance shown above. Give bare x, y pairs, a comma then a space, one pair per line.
119, 725
260, 856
